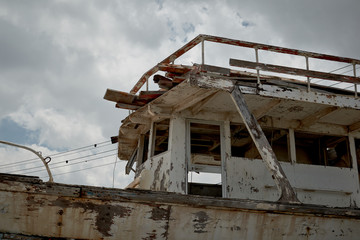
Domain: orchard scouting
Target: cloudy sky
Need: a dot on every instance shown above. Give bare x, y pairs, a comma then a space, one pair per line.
57, 58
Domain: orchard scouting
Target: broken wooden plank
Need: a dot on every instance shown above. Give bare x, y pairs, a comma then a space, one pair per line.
293, 71
150, 95
163, 82
127, 106
215, 69
210, 82
287, 192
175, 69
119, 96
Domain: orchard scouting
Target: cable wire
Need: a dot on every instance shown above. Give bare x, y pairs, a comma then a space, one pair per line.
71, 164
56, 155
66, 161
83, 169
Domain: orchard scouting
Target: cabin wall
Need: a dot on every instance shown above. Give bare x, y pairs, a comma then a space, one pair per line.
167, 171
331, 186
178, 166
154, 173
313, 184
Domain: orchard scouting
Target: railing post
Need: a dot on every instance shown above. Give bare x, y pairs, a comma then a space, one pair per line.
355, 85
307, 68
202, 52
257, 61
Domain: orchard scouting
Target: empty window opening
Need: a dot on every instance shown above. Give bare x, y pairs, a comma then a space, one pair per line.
143, 147
205, 144
357, 149
243, 146
204, 176
161, 136
205, 184
322, 150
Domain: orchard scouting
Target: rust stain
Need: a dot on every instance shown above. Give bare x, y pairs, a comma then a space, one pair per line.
105, 213
296, 109
201, 219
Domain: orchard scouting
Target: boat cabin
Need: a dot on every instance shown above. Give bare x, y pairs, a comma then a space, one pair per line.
244, 131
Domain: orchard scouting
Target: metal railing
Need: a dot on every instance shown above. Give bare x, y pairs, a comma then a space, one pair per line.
309, 74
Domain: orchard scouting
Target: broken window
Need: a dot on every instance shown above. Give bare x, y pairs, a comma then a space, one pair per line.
243, 146
161, 137
143, 147
204, 177
322, 150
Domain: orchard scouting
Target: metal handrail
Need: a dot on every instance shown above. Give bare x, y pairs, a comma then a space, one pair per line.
256, 46
51, 179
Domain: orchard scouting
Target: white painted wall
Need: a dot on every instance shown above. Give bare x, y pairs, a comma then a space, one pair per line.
331, 186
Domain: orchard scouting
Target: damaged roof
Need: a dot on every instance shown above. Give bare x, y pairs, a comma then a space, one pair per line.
200, 90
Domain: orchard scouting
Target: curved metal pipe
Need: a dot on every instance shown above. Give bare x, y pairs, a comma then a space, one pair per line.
36, 153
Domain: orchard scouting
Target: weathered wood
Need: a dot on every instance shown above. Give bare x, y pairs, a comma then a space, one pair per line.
263, 110
215, 69
150, 95
175, 69
305, 96
211, 82
119, 96
127, 106
293, 71
192, 100
197, 108
317, 116
264, 148
354, 127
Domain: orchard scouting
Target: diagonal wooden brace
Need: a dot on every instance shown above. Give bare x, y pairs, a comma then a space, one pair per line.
264, 148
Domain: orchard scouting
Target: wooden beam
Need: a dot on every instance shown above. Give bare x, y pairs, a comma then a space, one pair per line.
192, 100
118, 96
127, 106
293, 71
197, 108
287, 193
354, 127
150, 95
263, 110
309, 120
305, 96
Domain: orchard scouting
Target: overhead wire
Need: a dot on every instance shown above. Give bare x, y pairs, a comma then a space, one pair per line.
57, 155
83, 169
66, 161
71, 164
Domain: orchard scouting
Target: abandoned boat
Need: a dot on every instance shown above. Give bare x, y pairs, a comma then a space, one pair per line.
280, 157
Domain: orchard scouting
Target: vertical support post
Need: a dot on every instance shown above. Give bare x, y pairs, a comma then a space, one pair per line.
292, 145
355, 85
307, 68
287, 193
202, 52
257, 61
